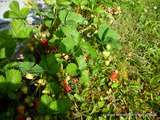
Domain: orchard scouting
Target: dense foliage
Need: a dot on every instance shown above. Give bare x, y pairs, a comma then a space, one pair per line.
63, 60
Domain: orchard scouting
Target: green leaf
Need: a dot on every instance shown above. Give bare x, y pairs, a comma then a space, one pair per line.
77, 2
14, 6
71, 69
44, 104
15, 12
68, 43
78, 97
54, 106
50, 2
106, 34
99, 10
24, 12
101, 103
20, 29
63, 2
113, 34
155, 80
6, 14
66, 16
2, 53
50, 64
136, 86
71, 32
11, 14
3, 84
72, 16
48, 23
86, 47
95, 108
53, 87
53, 66
84, 79
46, 100
7, 42
30, 67
81, 62
158, 98
102, 31
80, 2
37, 69
2, 79
13, 78
115, 85
60, 106
25, 66
62, 16
11, 65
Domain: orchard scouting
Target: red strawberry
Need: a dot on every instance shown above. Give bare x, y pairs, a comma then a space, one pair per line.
44, 42
67, 88
114, 76
75, 80
53, 49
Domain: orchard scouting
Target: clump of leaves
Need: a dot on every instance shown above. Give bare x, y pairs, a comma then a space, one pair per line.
59, 43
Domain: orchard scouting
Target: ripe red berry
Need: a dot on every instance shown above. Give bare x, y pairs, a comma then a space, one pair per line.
114, 76
75, 80
67, 87
44, 42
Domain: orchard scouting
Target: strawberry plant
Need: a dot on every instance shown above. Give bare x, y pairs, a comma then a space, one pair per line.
53, 53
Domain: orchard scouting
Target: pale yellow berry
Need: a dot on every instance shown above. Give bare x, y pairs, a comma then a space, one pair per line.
107, 62
68, 78
29, 76
41, 82
66, 57
106, 54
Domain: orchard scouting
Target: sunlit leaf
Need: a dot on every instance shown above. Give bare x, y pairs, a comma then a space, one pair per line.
14, 6
102, 31
115, 85
30, 67
2, 53
86, 47
81, 62
84, 79
71, 69
50, 2
69, 43
13, 78
45, 99
20, 29
66, 16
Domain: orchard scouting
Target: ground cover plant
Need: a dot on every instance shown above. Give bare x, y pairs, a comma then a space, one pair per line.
82, 60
